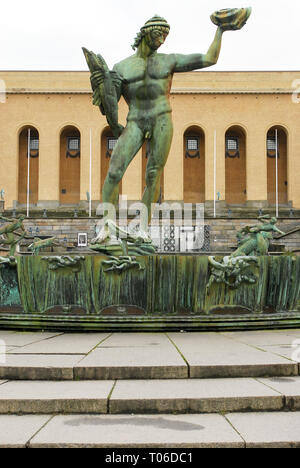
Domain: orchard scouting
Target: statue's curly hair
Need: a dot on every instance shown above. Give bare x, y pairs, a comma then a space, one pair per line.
155, 23
138, 39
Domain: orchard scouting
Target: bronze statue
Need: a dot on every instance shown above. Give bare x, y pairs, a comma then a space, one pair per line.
144, 80
39, 244
253, 241
233, 271
65, 262
10, 232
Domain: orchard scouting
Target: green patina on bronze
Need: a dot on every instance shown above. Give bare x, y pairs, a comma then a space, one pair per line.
235, 269
9, 288
144, 80
65, 261
39, 244
164, 286
12, 233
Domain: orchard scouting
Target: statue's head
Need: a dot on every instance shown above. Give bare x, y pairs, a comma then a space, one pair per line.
155, 31
21, 217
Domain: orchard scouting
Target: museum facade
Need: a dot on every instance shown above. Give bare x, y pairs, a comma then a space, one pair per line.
236, 140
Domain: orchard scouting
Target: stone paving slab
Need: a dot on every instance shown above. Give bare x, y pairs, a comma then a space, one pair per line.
39, 367
145, 356
129, 431
266, 337
195, 396
16, 431
137, 340
25, 338
213, 355
7, 332
294, 332
54, 397
9, 348
73, 343
137, 356
288, 386
288, 351
273, 430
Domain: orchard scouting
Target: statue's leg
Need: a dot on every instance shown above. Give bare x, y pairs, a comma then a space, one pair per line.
12, 249
160, 144
126, 148
8, 238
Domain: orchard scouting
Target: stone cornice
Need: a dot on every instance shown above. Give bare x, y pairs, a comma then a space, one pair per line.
173, 91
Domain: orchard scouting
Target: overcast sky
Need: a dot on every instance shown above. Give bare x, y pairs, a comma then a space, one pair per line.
35, 36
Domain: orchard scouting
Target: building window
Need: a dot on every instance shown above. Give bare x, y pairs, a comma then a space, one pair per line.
192, 147
34, 144
232, 147
34, 147
271, 143
73, 143
192, 144
73, 147
271, 147
111, 143
232, 143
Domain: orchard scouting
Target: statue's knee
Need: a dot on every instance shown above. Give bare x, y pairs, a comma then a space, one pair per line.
152, 175
114, 177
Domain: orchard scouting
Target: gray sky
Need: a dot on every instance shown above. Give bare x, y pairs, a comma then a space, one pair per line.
48, 35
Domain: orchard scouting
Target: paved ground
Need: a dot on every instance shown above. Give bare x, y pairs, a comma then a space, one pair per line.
204, 430
60, 356
239, 389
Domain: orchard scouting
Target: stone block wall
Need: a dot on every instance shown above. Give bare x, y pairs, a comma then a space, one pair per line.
222, 231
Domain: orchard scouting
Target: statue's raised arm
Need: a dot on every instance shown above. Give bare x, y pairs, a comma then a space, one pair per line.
226, 20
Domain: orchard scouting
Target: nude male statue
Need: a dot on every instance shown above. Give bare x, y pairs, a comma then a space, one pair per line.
144, 80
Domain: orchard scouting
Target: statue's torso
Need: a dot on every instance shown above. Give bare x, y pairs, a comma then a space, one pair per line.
146, 85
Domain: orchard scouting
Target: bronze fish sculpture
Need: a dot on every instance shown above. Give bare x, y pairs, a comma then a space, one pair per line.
104, 89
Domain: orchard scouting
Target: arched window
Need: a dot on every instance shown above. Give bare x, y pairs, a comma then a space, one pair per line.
33, 165
281, 167
70, 166
194, 165
108, 142
235, 166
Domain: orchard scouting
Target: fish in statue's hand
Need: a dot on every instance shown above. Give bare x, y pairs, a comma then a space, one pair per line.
104, 89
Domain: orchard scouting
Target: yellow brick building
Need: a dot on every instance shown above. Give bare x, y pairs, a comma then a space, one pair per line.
243, 110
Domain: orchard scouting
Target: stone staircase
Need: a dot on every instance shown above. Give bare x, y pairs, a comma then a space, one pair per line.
180, 390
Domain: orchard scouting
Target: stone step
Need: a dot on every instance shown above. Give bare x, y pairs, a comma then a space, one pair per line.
57, 368
61, 369
238, 430
96, 356
150, 396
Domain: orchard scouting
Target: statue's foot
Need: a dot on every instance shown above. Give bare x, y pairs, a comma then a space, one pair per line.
103, 236
140, 236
